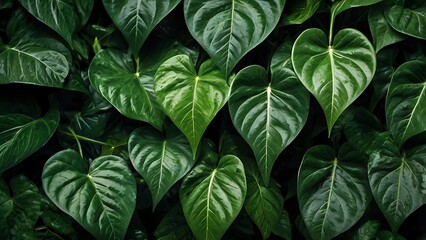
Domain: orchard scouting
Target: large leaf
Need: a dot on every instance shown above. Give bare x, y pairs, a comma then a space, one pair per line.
190, 99
397, 180
333, 191
101, 197
297, 11
160, 158
212, 195
137, 18
32, 57
336, 75
343, 5
406, 101
65, 16
409, 19
21, 135
383, 34
228, 29
264, 204
18, 211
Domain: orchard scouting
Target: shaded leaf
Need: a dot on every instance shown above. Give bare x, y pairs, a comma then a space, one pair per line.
173, 226
367, 231
409, 19
283, 228
343, 5
297, 11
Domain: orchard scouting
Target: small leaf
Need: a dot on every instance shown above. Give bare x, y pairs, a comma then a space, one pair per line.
227, 30
332, 191
396, 180
21, 135
136, 18
367, 231
160, 159
55, 219
213, 195
297, 11
336, 75
409, 19
101, 197
406, 101
173, 226
190, 99
343, 5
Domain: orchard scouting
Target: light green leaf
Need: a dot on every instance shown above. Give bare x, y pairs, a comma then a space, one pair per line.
332, 191
136, 18
101, 197
160, 158
336, 75
228, 29
212, 195
190, 99
383, 34
65, 16
343, 5
409, 19
20, 210
173, 226
397, 180
406, 101
21, 135
297, 11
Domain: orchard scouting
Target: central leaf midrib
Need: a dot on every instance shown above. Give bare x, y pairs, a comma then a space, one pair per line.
414, 109
209, 191
333, 178
31, 56
163, 155
330, 52
194, 98
231, 29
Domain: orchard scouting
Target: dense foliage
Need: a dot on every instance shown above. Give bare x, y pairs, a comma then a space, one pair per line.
210, 119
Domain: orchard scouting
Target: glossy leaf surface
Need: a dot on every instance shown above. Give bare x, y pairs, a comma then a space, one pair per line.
65, 16
283, 228
406, 101
137, 18
333, 191
409, 19
336, 75
297, 11
189, 98
397, 180
228, 29
343, 5
212, 195
21, 135
106, 192
160, 158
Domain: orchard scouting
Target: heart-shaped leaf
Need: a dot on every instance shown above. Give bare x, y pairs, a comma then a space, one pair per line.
336, 75
406, 101
18, 211
161, 159
21, 135
65, 16
343, 5
228, 29
136, 18
264, 204
212, 195
32, 57
190, 99
409, 19
333, 191
105, 191
298, 11
397, 180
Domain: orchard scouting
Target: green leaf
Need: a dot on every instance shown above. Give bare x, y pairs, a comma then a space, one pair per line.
336, 75
55, 219
387, 235
397, 180
332, 191
131, 92
212, 195
297, 11
190, 99
343, 5
32, 57
6, 4
137, 18
406, 101
409, 19
18, 211
101, 197
264, 204
161, 159
21, 135
283, 228
367, 231
228, 29
383, 34
65, 16
173, 226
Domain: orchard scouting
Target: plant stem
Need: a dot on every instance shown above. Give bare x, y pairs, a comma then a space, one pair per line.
80, 150
79, 137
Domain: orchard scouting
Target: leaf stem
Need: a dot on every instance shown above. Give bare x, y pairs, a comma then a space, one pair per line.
80, 150
137, 60
330, 34
79, 137
42, 228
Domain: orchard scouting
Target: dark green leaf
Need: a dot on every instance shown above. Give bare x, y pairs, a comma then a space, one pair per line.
6, 4
101, 197
343, 5
55, 219
332, 190
409, 19
137, 18
190, 99
213, 195
367, 231
173, 226
336, 75
227, 30
283, 228
161, 159
297, 11
387, 235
